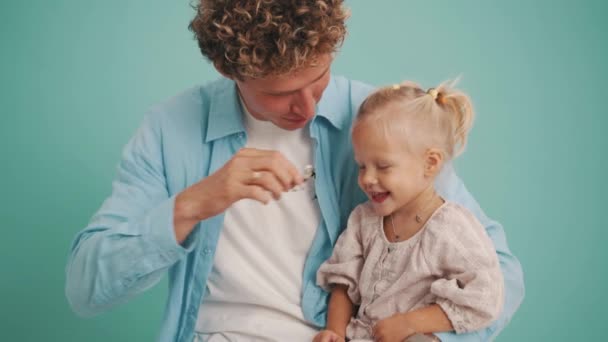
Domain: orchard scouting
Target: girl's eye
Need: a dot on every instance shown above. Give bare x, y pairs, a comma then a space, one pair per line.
361, 167
383, 167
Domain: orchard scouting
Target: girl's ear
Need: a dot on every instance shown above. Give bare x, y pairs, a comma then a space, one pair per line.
433, 160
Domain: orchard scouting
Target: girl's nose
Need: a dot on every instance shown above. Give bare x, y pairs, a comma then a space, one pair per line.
369, 178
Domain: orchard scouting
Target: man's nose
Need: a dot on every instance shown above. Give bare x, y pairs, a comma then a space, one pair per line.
304, 103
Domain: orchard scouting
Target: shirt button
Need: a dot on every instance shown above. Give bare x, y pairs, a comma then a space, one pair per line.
206, 250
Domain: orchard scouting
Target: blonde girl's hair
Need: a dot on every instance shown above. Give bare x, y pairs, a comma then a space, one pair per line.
437, 117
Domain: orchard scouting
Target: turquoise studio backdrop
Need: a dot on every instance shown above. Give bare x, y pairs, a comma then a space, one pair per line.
77, 77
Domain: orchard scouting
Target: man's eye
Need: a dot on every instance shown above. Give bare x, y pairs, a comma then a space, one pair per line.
383, 167
285, 94
361, 167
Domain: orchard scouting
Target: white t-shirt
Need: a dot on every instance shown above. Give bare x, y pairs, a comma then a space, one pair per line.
255, 285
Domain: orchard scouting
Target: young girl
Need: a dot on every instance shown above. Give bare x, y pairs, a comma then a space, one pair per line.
411, 261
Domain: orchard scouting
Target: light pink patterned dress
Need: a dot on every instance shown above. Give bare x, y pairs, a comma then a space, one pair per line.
451, 261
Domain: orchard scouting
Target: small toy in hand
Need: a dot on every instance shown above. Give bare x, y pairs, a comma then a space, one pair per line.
309, 172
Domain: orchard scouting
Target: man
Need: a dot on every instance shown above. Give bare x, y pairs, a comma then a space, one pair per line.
211, 191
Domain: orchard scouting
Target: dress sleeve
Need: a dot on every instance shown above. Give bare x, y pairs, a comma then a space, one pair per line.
346, 262
469, 287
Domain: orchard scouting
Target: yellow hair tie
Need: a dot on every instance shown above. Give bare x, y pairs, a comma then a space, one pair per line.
433, 92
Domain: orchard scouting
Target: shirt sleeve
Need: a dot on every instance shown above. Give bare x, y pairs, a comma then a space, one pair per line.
130, 241
451, 187
346, 262
469, 285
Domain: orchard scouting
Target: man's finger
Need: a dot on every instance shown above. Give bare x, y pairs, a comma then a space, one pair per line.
267, 181
283, 169
275, 162
257, 193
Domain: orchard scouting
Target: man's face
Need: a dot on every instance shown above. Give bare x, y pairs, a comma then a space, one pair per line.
288, 101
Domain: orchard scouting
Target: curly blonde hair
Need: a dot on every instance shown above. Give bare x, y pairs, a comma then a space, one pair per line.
259, 38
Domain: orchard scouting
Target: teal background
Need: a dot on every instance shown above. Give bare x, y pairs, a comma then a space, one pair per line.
77, 76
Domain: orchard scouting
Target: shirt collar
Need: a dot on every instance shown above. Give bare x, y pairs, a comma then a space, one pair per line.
334, 104
226, 115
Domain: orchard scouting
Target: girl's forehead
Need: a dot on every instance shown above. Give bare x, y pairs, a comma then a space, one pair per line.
378, 130
374, 140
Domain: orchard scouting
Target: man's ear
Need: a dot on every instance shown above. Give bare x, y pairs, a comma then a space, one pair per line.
433, 160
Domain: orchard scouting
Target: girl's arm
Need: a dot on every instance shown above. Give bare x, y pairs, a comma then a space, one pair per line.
430, 319
339, 275
451, 187
469, 289
340, 310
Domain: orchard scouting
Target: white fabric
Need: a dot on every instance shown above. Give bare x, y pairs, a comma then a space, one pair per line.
256, 282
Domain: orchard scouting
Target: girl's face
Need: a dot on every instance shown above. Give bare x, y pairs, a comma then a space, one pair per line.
390, 175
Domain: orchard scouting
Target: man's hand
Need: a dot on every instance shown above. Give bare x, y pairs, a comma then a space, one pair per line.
392, 329
260, 175
328, 336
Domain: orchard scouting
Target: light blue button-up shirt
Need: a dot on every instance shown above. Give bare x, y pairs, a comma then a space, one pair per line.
130, 244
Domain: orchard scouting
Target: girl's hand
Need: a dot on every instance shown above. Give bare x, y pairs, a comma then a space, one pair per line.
328, 336
393, 329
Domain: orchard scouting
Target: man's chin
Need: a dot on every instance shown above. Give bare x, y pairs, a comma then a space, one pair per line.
291, 125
